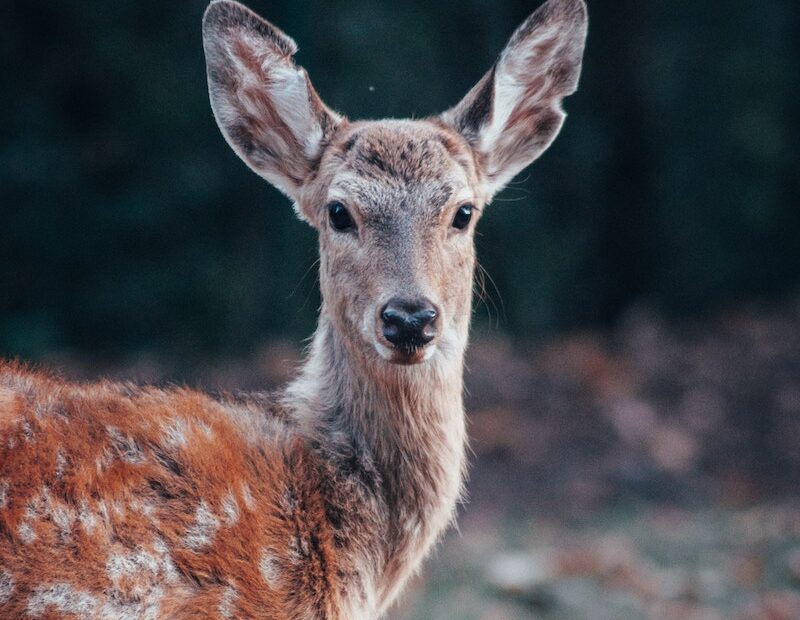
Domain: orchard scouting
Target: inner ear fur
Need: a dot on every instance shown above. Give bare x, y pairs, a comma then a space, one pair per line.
514, 112
264, 104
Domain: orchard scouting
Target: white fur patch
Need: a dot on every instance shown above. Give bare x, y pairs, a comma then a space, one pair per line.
129, 565
175, 434
86, 517
63, 519
26, 533
143, 508
61, 464
230, 509
227, 601
43, 506
137, 578
145, 608
201, 534
127, 448
102, 509
168, 568
270, 568
64, 598
6, 586
206, 429
27, 431
247, 497
118, 508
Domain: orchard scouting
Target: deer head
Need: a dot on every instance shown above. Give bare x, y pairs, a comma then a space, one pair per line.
395, 203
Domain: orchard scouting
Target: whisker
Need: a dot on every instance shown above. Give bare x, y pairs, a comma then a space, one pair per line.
480, 290
518, 199
502, 309
516, 183
303, 277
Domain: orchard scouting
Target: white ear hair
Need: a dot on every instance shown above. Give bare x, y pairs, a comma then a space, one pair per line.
264, 103
514, 113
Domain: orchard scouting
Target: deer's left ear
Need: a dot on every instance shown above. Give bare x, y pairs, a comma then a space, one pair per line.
514, 113
264, 104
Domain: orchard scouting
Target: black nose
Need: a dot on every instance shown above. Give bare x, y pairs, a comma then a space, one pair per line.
409, 324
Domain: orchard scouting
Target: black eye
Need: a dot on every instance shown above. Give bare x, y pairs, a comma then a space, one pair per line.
463, 217
340, 218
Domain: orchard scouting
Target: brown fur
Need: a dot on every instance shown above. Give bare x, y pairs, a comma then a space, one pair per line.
318, 502
104, 475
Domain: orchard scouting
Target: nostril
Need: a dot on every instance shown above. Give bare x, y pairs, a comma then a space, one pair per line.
392, 316
407, 323
425, 317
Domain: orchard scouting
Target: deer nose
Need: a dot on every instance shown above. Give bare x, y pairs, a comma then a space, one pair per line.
409, 324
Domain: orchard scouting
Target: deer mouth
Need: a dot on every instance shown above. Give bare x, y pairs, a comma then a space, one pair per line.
406, 355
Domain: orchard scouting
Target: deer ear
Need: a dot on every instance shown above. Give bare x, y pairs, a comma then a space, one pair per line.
514, 113
264, 104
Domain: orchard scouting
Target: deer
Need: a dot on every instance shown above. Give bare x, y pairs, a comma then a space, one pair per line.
319, 500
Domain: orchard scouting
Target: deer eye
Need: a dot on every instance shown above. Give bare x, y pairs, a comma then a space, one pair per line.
340, 218
463, 217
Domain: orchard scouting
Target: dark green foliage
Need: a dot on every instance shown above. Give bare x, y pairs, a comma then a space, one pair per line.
128, 224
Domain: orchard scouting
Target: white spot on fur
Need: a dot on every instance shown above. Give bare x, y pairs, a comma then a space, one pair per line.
63, 519
3, 493
205, 429
27, 431
127, 447
247, 496
65, 598
143, 508
227, 603
6, 586
146, 608
230, 509
86, 517
270, 568
118, 508
26, 533
129, 565
167, 565
102, 508
175, 434
137, 578
61, 464
43, 506
202, 532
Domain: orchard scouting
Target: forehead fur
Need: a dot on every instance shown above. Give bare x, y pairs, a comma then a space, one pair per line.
370, 161
403, 151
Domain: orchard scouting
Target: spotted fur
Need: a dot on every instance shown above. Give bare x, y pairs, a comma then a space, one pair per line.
318, 501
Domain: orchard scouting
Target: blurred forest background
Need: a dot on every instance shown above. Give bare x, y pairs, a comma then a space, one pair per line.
635, 380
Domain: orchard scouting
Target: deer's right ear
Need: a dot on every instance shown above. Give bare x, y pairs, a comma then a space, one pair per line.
514, 113
264, 104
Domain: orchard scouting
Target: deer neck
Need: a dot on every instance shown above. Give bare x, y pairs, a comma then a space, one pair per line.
406, 423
